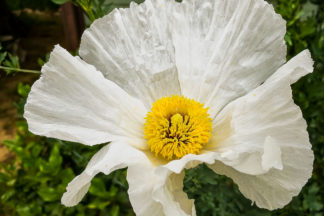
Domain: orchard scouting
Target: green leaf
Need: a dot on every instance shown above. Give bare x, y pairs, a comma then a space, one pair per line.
11, 182
23, 90
114, 211
7, 195
53, 165
24, 210
41, 62
12, 62
2, 56
36, 150
98, 188
308, 27
98, 204
48, 194
67, 175
55, 158
59, 2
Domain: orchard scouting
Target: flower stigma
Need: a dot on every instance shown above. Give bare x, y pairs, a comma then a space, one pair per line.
177, 126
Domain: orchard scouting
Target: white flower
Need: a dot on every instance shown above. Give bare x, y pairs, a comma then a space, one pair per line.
228, 55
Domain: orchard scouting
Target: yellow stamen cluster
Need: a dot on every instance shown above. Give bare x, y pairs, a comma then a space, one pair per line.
177, 126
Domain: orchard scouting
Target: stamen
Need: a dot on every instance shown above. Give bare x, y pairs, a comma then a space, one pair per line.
177, 126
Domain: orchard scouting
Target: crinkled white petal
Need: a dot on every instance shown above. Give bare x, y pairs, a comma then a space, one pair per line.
275, 188
221, 49
154, 190
266, 138
225, 48
168, 188
157, 188
141, 181
132, 47
169, 192
271, 157
116, 155
73, 101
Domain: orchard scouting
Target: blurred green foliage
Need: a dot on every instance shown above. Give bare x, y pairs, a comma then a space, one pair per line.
33, 182
8, 60
95, 9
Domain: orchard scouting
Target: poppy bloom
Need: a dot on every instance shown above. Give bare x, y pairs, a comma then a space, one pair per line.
171, 85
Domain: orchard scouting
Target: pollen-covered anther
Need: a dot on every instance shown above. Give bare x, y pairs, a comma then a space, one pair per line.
177, 126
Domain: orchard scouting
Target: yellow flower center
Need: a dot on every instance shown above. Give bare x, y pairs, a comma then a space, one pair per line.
177, 126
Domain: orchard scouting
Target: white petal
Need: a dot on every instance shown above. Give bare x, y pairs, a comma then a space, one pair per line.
271, 157
132, 47
245, 125
73, 101
225, 48
141, 181
169, 189
116, 155
297, 67
158, 190
156, 187
267, 138
169, 192
275, 188
155, 86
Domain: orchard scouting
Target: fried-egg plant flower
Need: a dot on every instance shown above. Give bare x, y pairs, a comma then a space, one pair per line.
172, 85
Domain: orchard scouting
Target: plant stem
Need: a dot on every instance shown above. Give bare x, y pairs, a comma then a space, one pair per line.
20, 70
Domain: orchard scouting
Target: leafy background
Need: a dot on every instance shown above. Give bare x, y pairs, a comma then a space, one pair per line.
33, 182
